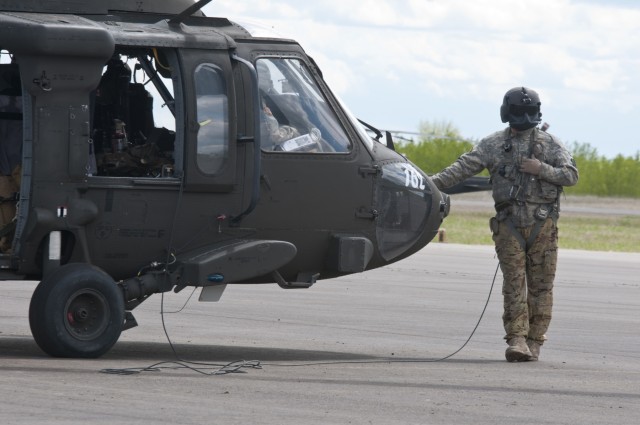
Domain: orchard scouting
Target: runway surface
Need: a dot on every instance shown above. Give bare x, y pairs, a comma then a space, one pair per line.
363, 349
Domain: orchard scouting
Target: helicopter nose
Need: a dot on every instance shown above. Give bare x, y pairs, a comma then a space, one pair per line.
410, 210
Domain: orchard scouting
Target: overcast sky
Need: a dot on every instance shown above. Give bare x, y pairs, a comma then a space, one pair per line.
399, 63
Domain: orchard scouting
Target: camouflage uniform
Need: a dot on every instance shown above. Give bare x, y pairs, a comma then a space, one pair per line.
524, 228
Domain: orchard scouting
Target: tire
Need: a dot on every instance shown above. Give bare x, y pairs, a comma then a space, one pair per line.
76, 311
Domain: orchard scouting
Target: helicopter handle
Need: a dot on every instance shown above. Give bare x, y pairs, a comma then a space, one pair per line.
257, 166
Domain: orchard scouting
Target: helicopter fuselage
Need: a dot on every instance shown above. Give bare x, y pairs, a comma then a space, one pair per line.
166, 151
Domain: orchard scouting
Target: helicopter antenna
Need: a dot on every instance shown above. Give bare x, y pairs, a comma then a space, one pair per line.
189, 11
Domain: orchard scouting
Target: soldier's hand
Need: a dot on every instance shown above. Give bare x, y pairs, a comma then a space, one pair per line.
531, 166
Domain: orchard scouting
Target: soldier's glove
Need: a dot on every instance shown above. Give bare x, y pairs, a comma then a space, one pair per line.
531, 166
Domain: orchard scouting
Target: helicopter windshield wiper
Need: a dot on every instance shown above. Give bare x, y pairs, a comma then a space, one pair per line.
378, 134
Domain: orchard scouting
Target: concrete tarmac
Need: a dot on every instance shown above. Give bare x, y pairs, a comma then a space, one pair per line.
363, 349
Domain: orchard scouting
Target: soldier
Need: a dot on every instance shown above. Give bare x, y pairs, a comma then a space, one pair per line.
528, 169
273, 131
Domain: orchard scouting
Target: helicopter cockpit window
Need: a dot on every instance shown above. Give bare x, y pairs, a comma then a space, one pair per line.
295, 115
133, 125
213, 119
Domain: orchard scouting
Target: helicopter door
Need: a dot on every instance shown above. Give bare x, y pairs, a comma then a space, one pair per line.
210, 151
315, 179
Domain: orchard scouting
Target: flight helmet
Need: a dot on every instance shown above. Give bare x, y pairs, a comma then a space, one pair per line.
521, 108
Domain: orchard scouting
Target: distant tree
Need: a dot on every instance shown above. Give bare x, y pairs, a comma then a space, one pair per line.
583, 150
438, 145
605, 177
439, 130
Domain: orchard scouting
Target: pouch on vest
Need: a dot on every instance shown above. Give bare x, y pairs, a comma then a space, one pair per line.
542, 212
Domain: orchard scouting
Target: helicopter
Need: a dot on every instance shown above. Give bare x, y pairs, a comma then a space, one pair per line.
146, 148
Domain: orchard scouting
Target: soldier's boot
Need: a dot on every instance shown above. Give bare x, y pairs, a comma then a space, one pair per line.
534, 347
518, 351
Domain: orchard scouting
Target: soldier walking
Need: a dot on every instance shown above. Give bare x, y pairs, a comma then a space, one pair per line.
528, 168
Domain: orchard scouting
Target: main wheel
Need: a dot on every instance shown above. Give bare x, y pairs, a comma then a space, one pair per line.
76, 311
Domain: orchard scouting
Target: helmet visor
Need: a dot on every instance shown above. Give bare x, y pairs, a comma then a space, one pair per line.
521, 110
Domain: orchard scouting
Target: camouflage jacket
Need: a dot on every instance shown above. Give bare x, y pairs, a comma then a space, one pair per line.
516, 194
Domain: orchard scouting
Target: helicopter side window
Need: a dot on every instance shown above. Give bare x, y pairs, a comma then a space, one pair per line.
213, 121
133, 126
295, 116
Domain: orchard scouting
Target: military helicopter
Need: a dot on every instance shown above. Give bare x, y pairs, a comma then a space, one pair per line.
146, 148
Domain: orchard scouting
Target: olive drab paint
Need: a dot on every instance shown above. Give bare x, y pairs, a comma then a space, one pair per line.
160, 148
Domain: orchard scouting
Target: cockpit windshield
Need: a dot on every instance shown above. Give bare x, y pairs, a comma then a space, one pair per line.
362, 132
295, 116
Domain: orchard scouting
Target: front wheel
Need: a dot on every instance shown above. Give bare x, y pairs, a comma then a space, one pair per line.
76, 311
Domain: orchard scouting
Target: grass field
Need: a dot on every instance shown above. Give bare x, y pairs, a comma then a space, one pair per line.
585, 223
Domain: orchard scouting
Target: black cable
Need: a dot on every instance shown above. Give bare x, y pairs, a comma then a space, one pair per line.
237, 366
203, 368
185, 303
233, 367
396, 360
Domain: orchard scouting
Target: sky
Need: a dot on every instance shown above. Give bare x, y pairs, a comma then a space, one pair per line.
399, 63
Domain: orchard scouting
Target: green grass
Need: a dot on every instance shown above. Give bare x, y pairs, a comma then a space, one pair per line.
621, 233
592, 233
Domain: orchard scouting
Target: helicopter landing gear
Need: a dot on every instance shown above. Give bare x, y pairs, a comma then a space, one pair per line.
76, 311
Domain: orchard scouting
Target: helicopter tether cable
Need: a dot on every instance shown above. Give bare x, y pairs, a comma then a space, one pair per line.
203, 368
211, 369
408, 360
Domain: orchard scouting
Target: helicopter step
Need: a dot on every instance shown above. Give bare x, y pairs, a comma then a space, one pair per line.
303, 280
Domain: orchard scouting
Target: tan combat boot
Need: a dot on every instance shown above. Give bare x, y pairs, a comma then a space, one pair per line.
534, 347
518, 351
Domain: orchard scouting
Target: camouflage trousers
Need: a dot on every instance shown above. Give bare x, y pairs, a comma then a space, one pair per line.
528, 274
